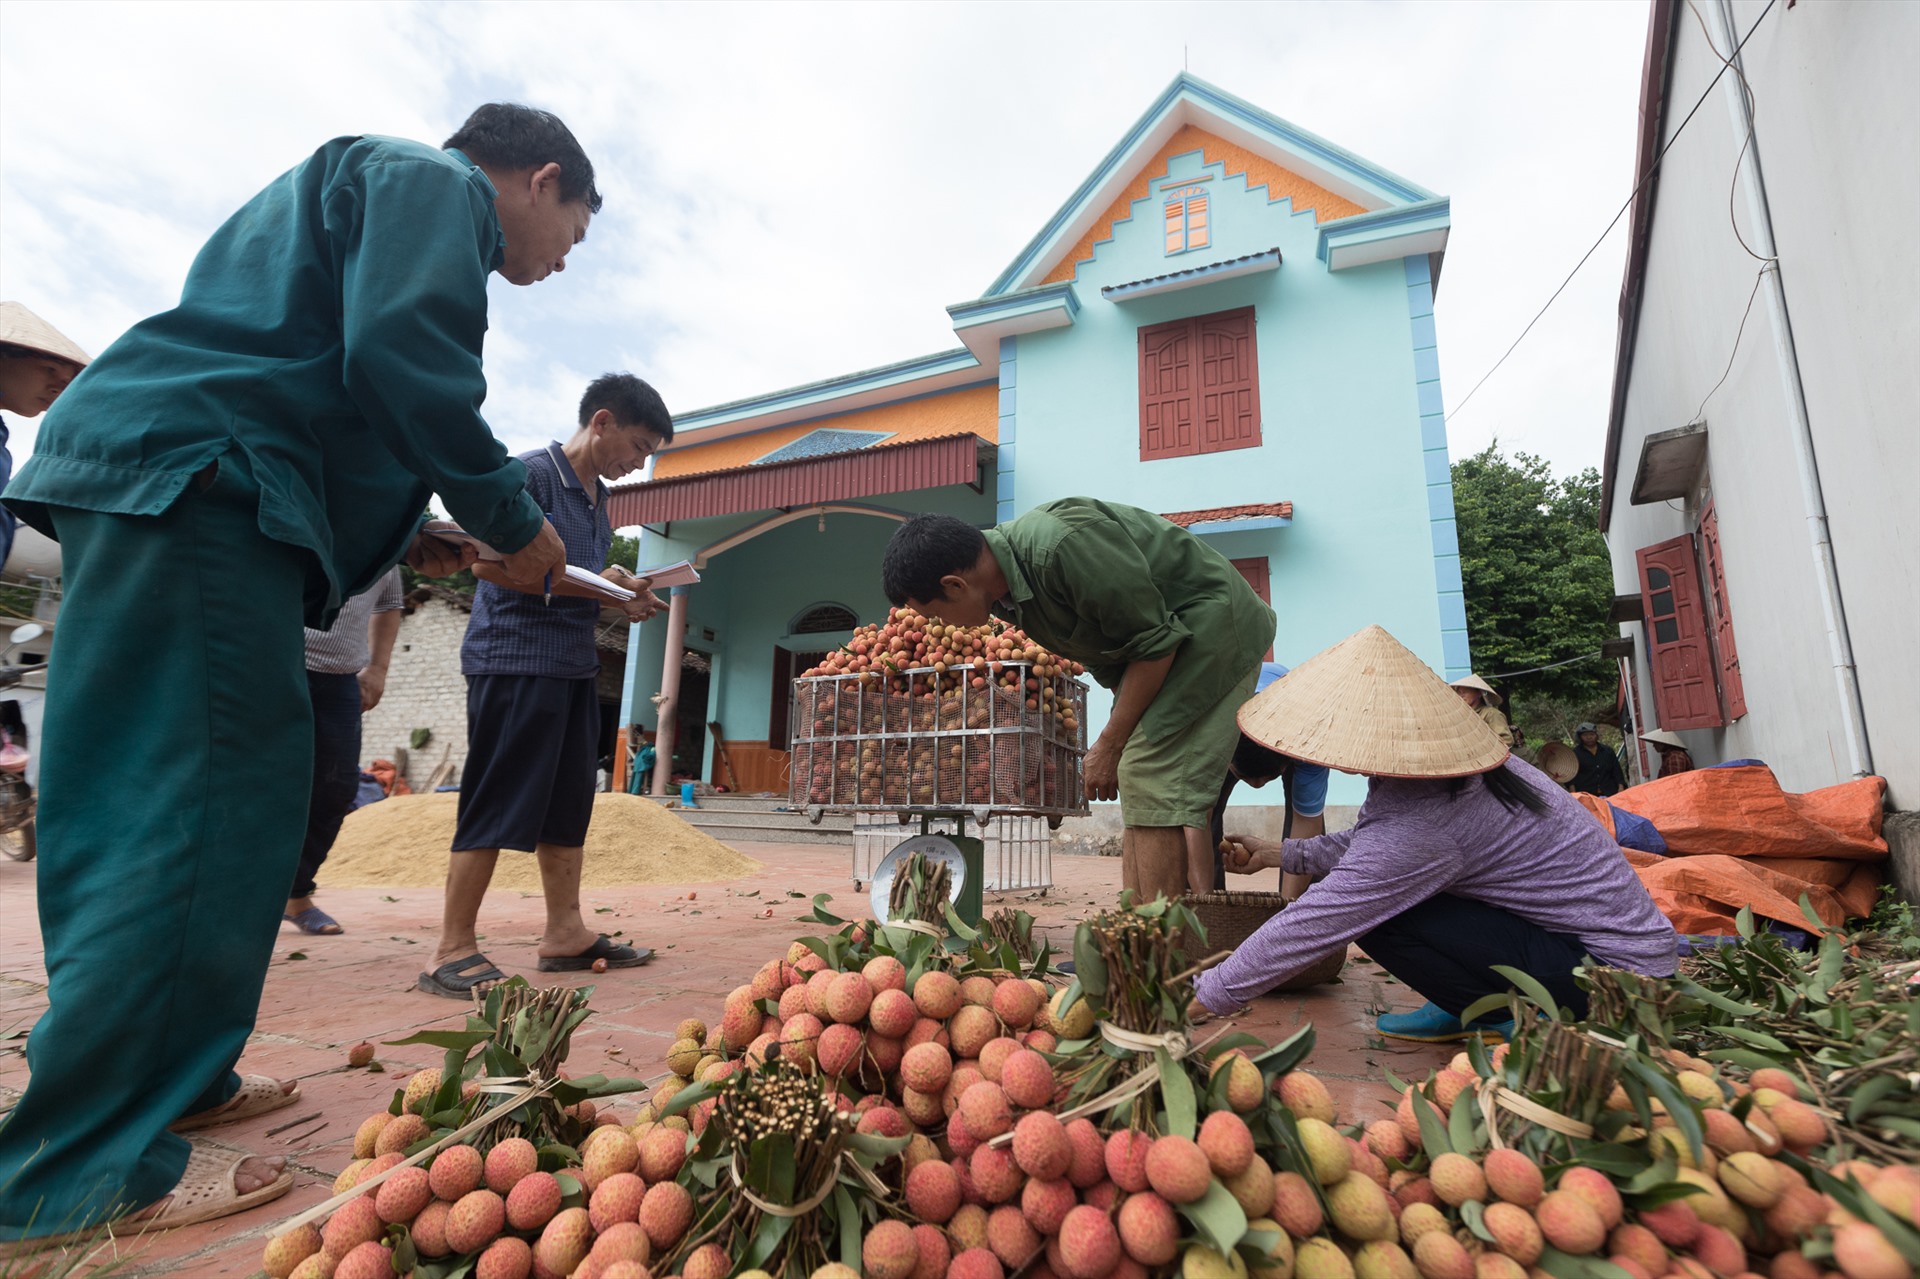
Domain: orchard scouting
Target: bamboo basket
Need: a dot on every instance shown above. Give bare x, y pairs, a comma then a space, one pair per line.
1232, 917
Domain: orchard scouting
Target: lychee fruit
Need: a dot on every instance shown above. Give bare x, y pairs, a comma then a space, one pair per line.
967, 1229
615, 1200
1515, 1232
1126, 1159
1305, 1096
839, 1049
933, 1192
1015, 1003
533, 1201
971, 1029
1074, 1022
1360, 1209
1385, 1139
1089, 1244
665, 1213
984, 1107
1327, 1151
848, 998
994, 1174
1252, 1188
1269, 1249
420, 1090
1027, 1079
285, 1251
1593, 1186
1321, 1258
353, 1223
429, 1229
937, 995
977, 1263
994, 1055
1569, 1223
1047, 1203
612, 1152
1862, 1252
1246, 1086
1675, 1222
1178, 1170
478, 1216
401, 1196
708, 1261
884, 972
889, 1250
1383, 1259
368, 1133
404, 1131
935, 1254
563, 1244
1149, 1231
1457, 1179
508, 1162
1514, 1177
662, 1152
455, 1171
1089, 1166
366, 1261
1011, 1237
1040, 1146
1752, 1178
1421, 1219
1227, 1143
1296, 1206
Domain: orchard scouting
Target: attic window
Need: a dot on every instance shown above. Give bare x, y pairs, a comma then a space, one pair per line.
1187, 222
822, 443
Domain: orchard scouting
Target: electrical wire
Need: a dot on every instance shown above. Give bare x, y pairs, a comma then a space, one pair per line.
1550, 666
1646, 178
1767, 264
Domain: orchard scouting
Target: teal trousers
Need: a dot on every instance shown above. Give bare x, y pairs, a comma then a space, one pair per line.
175, 765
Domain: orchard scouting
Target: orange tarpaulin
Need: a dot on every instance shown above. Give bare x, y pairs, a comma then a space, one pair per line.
1735, 839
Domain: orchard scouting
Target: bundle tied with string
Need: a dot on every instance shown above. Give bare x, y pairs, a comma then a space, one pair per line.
1562, 1079
790, 1157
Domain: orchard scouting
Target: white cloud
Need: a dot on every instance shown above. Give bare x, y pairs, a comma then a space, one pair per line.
798, 190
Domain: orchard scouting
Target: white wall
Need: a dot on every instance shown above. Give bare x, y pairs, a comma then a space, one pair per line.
1838, 122
424, 690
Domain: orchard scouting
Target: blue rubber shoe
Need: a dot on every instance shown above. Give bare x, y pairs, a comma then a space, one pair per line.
1432, 1024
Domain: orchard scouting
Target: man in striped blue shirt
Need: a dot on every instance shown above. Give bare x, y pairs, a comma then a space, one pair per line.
533, 713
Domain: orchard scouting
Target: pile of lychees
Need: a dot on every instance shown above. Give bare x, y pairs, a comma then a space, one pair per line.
1242, 1173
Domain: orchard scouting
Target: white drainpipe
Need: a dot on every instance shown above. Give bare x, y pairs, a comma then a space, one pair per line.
1839, 645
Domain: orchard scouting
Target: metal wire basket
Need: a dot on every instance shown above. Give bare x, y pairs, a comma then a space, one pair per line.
931, 741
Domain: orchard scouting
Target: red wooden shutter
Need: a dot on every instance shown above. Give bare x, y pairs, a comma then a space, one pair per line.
1229, 382
1256, 572
1678, 647
1732, 690
1166, 391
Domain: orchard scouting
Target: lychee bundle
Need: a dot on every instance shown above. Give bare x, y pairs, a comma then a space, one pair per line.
916, 713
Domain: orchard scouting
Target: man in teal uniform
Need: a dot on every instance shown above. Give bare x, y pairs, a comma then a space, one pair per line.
225, 471
1156, 614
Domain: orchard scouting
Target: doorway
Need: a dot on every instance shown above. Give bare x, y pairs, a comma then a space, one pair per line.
690, 714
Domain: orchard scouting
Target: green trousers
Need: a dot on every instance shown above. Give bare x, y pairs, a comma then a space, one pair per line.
175, 761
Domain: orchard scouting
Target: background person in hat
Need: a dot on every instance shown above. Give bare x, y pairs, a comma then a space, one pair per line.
1674, 757
223, 472
36, 363
1599, 770
1156, 615
1479, 694
1462, 858
1304, 786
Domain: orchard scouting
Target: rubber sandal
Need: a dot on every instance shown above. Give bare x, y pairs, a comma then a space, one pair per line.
603, 948
1432, 1024
316, 921
205, 1192
453, 980
258, 1095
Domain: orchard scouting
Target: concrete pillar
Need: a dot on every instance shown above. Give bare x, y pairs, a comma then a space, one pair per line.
670, 690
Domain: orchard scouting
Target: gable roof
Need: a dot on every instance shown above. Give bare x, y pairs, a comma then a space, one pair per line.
1190, 102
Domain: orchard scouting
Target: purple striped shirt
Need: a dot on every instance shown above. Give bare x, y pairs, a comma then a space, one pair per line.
1557, 869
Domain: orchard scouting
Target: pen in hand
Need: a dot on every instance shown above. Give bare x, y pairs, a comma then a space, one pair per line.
548, 588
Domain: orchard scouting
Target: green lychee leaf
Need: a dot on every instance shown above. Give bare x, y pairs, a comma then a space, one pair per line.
1433, 1130
1176, 1090
1217, 1218
1563, 1266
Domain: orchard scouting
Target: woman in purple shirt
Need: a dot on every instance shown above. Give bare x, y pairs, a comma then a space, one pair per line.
1462, 858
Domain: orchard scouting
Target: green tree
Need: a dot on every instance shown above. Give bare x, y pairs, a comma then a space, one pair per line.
1537, 574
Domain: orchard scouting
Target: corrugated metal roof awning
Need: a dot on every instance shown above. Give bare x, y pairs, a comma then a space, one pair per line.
869, 472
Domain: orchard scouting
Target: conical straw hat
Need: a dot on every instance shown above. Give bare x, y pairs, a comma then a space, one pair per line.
1487, 694
1367, 705
1661, 737
21, 327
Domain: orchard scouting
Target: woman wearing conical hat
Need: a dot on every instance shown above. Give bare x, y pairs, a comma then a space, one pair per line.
36, 363
1479, 694
1462, 859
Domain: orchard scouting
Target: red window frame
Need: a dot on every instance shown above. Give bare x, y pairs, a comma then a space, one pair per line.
1258, 572
1679, 643
1199, 385
1733, 690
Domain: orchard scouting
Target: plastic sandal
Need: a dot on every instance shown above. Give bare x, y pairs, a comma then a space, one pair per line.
454, 980
316, 921
258, 1095
604, 947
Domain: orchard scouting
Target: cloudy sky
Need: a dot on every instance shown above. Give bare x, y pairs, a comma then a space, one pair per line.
798, 190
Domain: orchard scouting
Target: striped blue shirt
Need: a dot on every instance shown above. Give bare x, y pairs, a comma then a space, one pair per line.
514, 633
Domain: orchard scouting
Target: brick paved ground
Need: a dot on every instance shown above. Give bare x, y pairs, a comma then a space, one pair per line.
361, 986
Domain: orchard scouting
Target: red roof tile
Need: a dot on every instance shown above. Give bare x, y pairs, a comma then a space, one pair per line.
1262, 510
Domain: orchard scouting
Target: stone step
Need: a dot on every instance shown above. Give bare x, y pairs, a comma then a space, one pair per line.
733, 833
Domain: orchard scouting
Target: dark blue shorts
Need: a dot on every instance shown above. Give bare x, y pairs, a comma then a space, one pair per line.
531, 759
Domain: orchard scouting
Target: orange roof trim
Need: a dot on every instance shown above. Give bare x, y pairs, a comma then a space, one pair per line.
1187, 519
972, 409
1281, 184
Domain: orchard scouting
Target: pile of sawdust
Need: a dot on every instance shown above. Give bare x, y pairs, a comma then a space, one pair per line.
403, 842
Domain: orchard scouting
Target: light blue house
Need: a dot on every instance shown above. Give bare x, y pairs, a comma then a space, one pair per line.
1230, 322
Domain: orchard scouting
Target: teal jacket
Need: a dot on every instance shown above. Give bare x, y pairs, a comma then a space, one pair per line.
328, 339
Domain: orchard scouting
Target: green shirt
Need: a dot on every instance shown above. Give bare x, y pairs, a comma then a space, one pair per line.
328, 339
1106, 585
